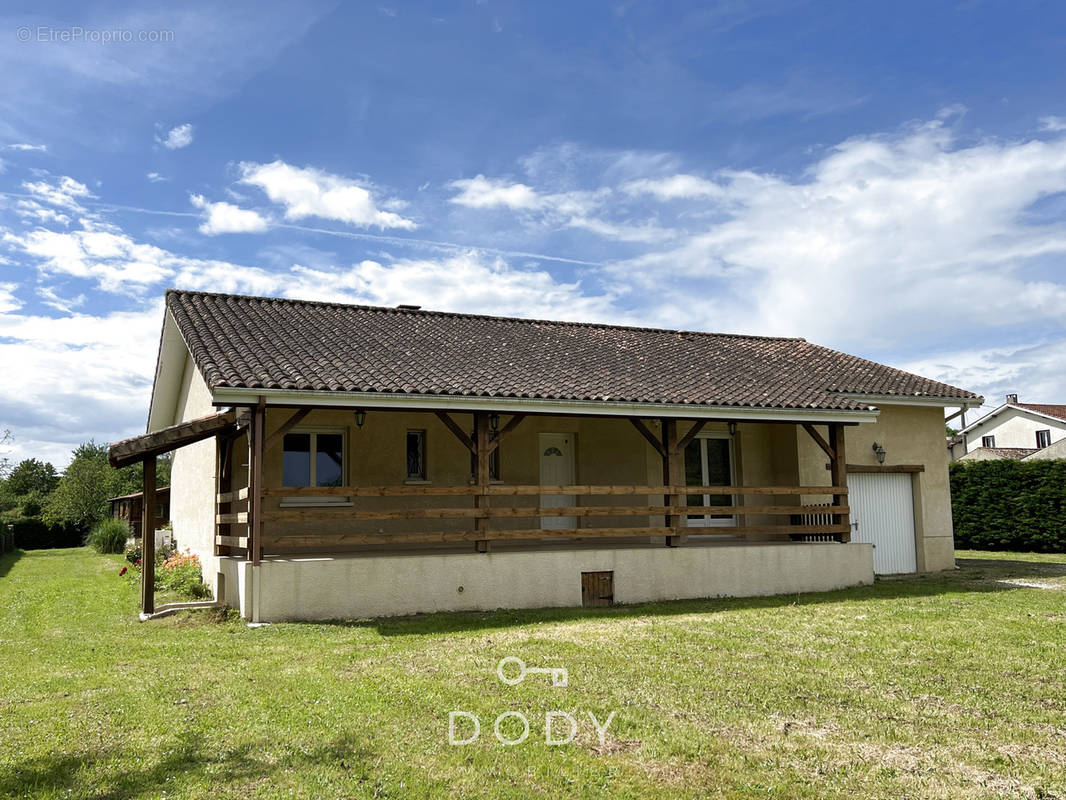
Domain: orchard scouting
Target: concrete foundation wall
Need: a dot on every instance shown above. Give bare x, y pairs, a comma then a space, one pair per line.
349, 587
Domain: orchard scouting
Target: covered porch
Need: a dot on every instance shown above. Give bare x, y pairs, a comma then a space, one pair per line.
373, 516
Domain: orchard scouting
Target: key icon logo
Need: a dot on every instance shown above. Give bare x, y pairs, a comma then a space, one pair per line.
559, 676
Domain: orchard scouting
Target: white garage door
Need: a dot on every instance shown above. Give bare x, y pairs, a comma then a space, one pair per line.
882, 513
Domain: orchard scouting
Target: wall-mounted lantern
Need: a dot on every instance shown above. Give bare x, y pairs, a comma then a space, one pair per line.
880, 451
360, 418
732, 429
494, 422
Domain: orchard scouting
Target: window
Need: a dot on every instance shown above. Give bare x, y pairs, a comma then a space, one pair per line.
416, 455
988, 441
314, 458
1043, 438
709, 462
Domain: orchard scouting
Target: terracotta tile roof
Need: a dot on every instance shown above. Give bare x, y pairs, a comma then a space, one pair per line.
1044, 408
252, 342
1015, 453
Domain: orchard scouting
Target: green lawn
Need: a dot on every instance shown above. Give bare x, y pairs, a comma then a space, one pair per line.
947, 686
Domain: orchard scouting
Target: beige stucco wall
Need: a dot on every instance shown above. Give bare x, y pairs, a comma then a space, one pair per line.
192, 493
367, 586
910, 435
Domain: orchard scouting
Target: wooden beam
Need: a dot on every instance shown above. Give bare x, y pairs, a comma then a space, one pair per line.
483, 476
504, 431
838, 477
298, 541
647, 434
822, 443
224, 496
673, 473
276, 437
148, 538
454, 427
255, 482
129, 451
507, 512
231, 541
883, 468
693, 432
507, 490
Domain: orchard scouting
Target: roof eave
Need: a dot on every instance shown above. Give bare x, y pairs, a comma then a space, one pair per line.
231, 396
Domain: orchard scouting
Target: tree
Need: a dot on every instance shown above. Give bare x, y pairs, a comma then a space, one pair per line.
32, 475
80, 499
5, 463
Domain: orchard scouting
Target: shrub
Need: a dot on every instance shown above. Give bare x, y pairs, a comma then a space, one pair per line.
32, 533
1009, 505
108, 536
181, 573
133, 552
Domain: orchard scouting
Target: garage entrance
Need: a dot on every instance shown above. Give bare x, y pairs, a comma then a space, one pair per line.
882, 513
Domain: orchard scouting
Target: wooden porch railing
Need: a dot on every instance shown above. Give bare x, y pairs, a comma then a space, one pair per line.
482, 514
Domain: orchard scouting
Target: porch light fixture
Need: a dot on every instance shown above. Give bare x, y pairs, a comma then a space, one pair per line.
494, 422
732, 429
360, 418
880, 450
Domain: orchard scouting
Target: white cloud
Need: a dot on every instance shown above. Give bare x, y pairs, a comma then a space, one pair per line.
1053, 124
177, 137
63, 192
31, 210
481, 192
675, 187
155, 177
27, 148
308, 192
224, 217
8, 301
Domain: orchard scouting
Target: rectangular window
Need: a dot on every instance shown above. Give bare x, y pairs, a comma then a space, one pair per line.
416, 455
1043, 438
314, 458
988, 441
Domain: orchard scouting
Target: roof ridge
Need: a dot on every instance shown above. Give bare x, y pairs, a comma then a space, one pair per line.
469, 315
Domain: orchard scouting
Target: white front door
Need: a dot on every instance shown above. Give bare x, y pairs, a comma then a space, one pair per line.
882, 513
557, 469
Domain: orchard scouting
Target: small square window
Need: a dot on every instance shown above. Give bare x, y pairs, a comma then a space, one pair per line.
1043, 438
416, 455
988, 441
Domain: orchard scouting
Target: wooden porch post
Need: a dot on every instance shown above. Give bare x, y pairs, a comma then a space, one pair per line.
255, 482
223, 485
148, 537
673, 475
482, 476
839, 475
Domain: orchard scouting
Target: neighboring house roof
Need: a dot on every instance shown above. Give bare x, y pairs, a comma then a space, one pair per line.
1048, 410
279, 344
989, 453
1055, 450
135, 495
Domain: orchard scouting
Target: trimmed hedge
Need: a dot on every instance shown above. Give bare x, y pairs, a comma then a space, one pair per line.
1009, 505
30, 533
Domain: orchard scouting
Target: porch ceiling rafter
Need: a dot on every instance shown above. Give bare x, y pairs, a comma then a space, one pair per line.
149, 445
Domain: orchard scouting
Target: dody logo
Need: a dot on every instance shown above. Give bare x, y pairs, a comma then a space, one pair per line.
560, 727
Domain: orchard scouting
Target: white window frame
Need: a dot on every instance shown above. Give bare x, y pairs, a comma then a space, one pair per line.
1044, 434
705, 520
991, 439
319, 501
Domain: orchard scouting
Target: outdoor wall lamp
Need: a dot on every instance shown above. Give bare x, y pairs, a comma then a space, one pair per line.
732, 429
360, 418
880, 450
494, 422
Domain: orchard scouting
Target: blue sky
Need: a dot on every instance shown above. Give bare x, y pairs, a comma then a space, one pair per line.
886, 179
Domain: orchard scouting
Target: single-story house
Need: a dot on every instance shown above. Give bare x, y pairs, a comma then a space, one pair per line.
129, 508
1013, 430
344, 461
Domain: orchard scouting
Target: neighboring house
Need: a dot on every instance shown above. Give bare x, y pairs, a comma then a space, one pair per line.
339, 461
1014, 430
1052, 451
129, 508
